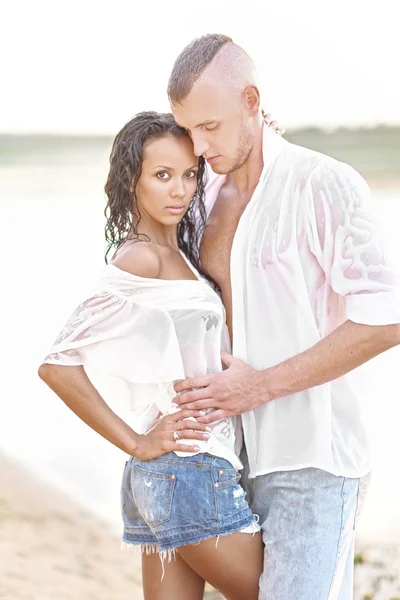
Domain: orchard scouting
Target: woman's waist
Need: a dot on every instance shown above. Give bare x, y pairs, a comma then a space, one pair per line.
145, 413
201, 459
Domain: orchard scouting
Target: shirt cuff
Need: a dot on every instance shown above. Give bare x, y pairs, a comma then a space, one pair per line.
379, 308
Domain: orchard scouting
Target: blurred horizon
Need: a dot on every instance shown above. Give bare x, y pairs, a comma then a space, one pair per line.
372, 150
326, 128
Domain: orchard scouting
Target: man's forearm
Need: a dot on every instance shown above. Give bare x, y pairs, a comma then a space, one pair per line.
346, 348
240, 388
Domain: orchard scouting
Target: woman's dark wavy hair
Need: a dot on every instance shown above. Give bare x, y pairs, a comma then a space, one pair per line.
122, 212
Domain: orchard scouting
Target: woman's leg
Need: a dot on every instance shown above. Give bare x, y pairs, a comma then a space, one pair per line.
233, 565
180, 582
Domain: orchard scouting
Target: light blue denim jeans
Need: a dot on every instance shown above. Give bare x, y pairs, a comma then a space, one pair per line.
307, 519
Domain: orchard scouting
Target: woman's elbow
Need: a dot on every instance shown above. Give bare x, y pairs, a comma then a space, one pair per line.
45, 371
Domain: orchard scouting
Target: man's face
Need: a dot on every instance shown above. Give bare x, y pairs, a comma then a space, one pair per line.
218, 123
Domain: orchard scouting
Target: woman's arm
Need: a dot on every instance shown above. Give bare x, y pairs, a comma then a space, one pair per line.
74, 387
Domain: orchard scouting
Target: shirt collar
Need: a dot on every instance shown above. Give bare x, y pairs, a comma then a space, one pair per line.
272, 145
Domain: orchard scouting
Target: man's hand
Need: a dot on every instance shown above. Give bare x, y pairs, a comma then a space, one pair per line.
236, 390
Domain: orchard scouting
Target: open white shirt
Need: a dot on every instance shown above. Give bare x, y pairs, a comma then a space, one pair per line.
151, 333
306, 256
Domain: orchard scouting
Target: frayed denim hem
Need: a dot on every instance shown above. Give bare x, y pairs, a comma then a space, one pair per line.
186, 536
167, 552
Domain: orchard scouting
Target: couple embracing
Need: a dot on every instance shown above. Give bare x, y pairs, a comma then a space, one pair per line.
247, 279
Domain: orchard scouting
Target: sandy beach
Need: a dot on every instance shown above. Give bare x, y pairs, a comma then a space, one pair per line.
53, 549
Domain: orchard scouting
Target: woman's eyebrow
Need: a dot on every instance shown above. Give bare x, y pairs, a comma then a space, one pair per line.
172, 169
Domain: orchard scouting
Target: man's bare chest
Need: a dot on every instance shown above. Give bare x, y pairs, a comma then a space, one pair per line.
218, 237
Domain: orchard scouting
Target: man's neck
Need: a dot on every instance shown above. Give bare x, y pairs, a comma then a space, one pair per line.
246, 178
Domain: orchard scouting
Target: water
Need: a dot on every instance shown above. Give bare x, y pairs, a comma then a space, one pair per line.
52, 234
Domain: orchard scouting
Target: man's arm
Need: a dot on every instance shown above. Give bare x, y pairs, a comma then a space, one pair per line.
241, 388
346, 348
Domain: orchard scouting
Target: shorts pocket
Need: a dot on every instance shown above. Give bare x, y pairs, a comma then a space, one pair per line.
227, 477
230, 498
153, 493
130, 512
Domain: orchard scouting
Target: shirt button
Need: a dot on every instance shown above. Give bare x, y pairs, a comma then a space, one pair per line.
172, 476
216, 485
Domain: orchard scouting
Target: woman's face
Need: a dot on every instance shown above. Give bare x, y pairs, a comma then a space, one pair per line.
168, 180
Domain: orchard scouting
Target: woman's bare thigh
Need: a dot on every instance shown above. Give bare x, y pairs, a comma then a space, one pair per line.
179, 581
232, 564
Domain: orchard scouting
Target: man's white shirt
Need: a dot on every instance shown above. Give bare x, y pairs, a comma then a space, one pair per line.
308, 254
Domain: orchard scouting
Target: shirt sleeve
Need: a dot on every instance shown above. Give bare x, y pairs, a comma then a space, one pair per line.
348, 242
122, 338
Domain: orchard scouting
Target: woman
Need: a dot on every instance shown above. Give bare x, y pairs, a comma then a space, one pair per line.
154, 319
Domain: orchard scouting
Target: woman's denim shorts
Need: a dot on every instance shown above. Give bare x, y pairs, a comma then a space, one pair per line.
173, 501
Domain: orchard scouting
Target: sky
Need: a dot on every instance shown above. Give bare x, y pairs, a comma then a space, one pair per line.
87, 66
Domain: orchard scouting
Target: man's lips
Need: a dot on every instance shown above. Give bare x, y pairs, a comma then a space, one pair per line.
212, 159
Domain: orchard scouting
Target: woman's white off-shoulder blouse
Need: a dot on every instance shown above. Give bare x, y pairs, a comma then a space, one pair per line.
151, 333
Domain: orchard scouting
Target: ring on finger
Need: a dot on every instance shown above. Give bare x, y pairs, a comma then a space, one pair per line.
176, 436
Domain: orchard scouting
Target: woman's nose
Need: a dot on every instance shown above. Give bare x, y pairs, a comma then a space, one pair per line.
178, 190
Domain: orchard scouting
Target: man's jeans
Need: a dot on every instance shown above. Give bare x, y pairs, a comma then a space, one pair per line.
308, 519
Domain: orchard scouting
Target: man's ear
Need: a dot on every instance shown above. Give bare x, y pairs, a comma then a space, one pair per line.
252, 99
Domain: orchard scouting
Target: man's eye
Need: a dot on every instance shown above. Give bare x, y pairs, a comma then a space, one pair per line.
210, 127
163, 175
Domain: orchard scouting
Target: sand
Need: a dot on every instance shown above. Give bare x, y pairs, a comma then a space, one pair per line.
53, 549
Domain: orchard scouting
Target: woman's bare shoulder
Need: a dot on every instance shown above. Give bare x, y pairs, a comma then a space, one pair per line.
139, 258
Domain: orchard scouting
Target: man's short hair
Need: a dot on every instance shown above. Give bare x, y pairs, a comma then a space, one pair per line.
191, 63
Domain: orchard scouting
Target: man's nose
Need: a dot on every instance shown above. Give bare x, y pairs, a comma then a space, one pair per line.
200, 144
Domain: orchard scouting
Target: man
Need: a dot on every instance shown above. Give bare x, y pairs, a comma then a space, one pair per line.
309, 296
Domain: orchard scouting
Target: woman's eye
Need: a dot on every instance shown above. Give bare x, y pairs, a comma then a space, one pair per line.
191, 174
163, 175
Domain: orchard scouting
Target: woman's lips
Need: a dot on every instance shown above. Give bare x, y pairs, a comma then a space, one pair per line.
176, 210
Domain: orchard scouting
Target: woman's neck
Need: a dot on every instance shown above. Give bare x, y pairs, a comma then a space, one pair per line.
159, 234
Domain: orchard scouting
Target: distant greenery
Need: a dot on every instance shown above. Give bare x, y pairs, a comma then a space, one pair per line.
359, 559
369, 150
42, 149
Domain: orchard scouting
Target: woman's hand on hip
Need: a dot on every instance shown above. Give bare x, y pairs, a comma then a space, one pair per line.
167, 433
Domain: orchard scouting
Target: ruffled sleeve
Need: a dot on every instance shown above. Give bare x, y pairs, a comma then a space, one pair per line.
121, 337
348, 242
